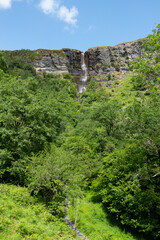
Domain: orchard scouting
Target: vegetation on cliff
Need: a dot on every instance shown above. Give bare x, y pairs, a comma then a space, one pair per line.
107, 144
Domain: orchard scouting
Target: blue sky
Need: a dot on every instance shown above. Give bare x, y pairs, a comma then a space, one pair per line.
77, 24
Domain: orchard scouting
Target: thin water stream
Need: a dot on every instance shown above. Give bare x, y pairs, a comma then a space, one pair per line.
68, 221
84, 77
82, 80
81, 85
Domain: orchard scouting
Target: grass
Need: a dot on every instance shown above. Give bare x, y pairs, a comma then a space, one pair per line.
109, 76
22, 217
93, 221
53, 52
122, 90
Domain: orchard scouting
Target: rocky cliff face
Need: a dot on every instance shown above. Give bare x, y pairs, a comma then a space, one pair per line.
60, 61
99, 60
74, 61
102, 60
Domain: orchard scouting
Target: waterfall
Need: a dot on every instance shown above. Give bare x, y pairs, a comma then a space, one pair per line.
84, 69
84, 76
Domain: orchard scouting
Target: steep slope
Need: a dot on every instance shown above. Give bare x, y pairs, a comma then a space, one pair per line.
99, 60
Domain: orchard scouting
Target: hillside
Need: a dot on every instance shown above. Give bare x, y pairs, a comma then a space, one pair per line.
23, 217
100, 149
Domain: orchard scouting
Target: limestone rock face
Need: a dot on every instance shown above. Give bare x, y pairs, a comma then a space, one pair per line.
58, 61
102, 60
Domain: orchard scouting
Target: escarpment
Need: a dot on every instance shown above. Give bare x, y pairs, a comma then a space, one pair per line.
58, 62
99, 60
103, 60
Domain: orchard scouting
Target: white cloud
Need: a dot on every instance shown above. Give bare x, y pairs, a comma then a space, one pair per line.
65, 14
4, 4
52, 7
68, 15
49, 6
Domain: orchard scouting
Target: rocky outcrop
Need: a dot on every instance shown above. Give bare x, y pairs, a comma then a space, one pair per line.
103, 60
58, 61
50, 61
74, 61
99, 60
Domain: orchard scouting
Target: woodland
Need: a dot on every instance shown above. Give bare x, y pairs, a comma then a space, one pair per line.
101, 149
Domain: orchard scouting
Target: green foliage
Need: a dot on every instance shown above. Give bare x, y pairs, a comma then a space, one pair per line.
109, 76
3, 64
22, 217
61, 53
25, 55
31, 117
94, 93
153, 43
128, 183
128, 178
93, 221
20, 62
106, 115
129, 187
148, 69
17, 67
49, 172
108, 142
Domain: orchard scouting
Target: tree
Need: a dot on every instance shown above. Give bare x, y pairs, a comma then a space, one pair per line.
128, 182
3, 64
148, 69
129, 187
106, 114
30, 118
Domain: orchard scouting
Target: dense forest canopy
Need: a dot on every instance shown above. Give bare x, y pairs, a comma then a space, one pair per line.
107, 143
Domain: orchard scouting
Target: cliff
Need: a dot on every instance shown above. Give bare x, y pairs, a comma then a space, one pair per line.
99, 60
51, 61
102, 60
61, 61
